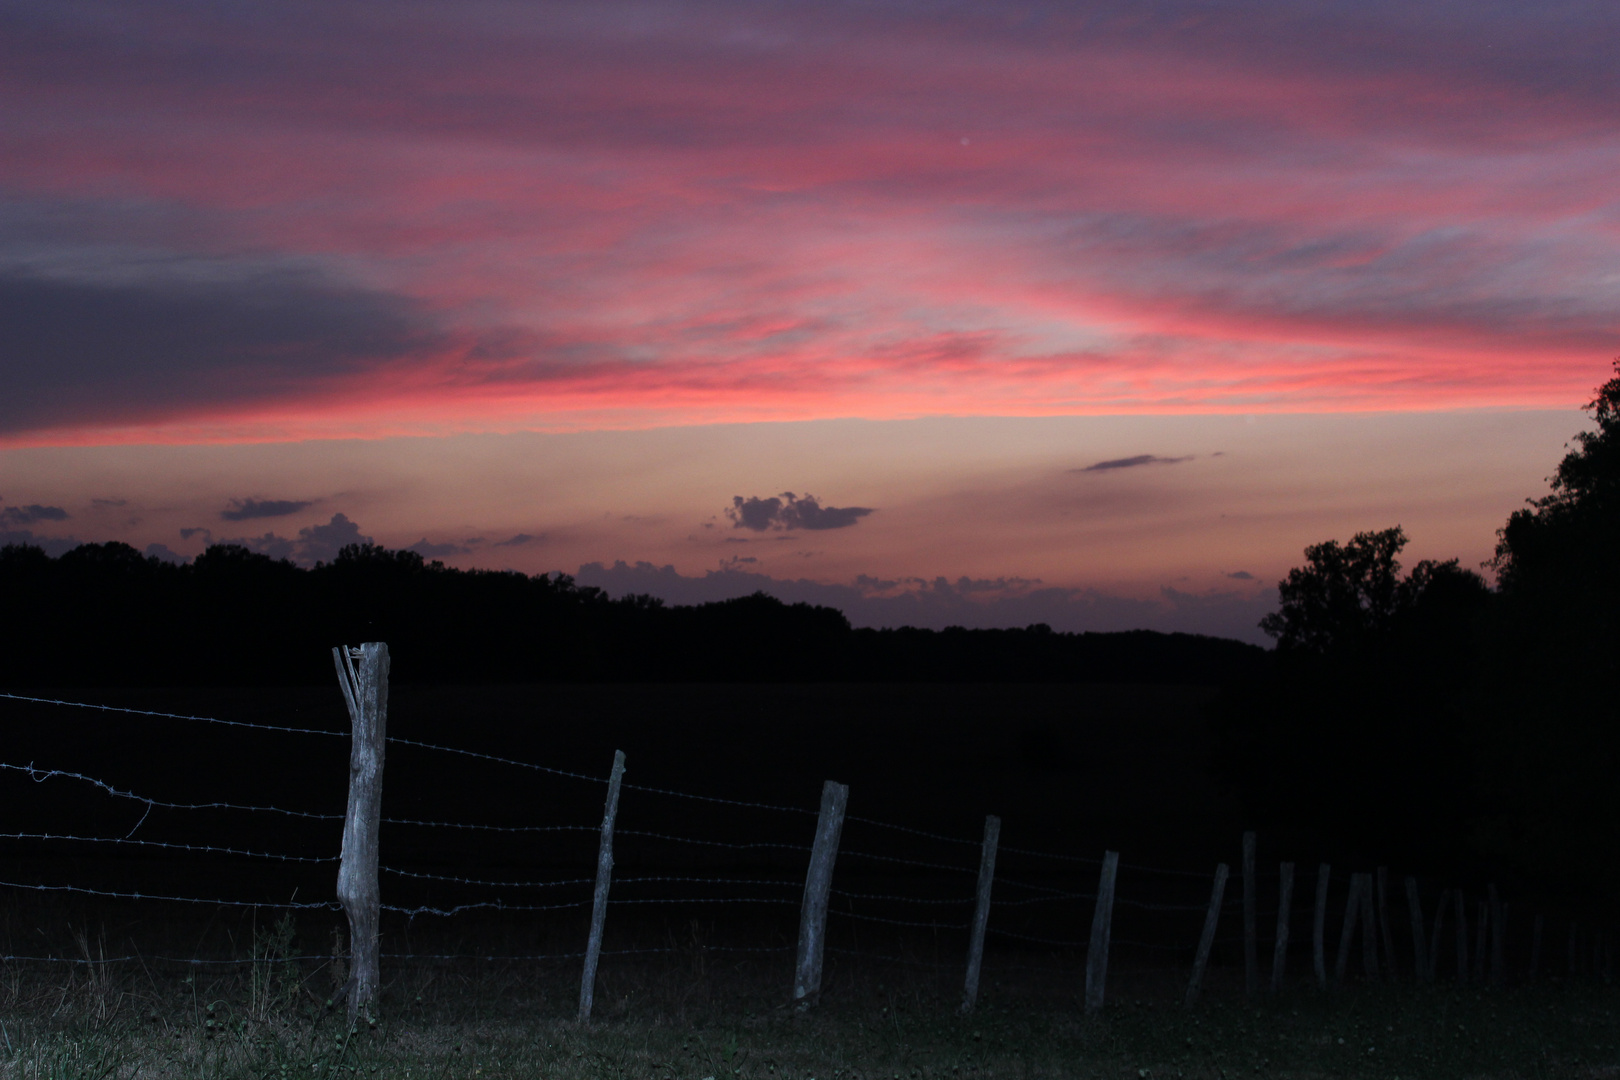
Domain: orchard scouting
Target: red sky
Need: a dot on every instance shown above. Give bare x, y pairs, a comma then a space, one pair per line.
267, 224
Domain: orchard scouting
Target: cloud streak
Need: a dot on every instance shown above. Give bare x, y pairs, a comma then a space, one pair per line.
1131, 463
790, 511
217, 226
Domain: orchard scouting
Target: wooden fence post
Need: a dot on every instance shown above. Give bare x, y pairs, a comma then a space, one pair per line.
604, 878
1462, 940
1102, 924
1414, 907
1319, 927
1434, 934
1572, 951
1369, 930
1482, 942
1285, 907
1352, 910
1386, 932
1206, 942
1535, 947
365, 692
1251, 947
981, 911
817, 886
1498, 932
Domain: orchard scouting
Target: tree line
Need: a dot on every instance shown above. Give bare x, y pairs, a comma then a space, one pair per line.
1433, 717
104, 614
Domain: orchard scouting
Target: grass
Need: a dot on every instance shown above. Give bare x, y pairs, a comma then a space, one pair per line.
684, 1018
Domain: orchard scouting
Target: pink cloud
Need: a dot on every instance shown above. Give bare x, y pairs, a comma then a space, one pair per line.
673, 215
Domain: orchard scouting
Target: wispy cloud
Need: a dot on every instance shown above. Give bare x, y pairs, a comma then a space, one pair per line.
1132, 462
248, 509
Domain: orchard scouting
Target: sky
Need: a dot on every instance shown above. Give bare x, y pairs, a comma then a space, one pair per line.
1093, 314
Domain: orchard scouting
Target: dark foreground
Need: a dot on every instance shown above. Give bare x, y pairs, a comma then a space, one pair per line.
687, 1015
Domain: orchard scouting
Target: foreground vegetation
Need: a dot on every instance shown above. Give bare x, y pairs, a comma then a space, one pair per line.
681, 1018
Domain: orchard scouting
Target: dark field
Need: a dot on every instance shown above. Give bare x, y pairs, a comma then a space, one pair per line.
695, 982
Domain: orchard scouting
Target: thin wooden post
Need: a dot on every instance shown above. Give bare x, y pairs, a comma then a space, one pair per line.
1535, 948
365, 692
1481, 941
1319, 926
1414, 908
981, 911
1498, 931
1434, 934
1386, 932
1206, 942
604, 878
817, 886
1251, 946
1573, 964
1285, 907
1462, 939
1369, 930
1347, 931
1102, 926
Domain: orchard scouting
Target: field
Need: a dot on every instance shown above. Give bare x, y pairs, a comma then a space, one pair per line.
681, 1017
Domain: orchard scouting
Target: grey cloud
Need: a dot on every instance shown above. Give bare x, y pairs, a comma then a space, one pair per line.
198, 530
163, 552
790, 511
520, 540
108, 504
248, 509
1241, 575
1132, 462
939, 602
52, 545
317, 543
27, 515
429, 550
143, 344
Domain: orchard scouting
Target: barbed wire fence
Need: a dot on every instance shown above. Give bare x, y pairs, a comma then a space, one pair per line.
957, 892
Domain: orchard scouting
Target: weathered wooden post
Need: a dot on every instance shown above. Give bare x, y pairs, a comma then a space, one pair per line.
1434, 934
1352, 910
365, 692
981, 911
1285, 907
817, 886
1324, 873
599, 902
1102, 923
1462, 940
1206, 942
1498, 933
1251, 947
1386, 932
1414, 908
1369, 930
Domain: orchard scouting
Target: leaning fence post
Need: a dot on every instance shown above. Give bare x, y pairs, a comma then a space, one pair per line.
981, 911
1251, 948
1352, 909
1420, 953
1434, 934
1462, 940
1324, 873
1498, 932
1285, 904
1102, 924
817, 885
1385, 931
365, 692
1369, 929
1207, 941
604, 878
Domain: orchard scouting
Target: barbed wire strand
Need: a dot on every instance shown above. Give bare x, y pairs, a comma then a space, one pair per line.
291, 905
718, 799
913, 832
177, 716
907, 862
208, 848
39, 776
